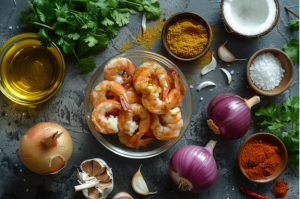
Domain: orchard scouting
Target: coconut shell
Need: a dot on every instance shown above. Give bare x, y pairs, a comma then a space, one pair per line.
230, 30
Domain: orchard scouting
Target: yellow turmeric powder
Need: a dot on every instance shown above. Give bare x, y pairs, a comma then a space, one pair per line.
187, 38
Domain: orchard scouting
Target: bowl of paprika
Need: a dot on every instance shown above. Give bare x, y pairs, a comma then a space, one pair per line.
262, 158
187, 36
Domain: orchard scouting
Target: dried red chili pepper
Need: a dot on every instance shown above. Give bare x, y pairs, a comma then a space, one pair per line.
253, 194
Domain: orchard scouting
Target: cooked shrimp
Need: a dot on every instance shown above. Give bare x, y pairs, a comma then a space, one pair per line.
134, 97
128, 125
115, 66
104, 124
125, 138
154, 104
142, 78
182, 89
119, 92
173, 124
149, 134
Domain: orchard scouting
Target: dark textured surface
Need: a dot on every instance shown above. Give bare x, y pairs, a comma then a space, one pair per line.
66, 108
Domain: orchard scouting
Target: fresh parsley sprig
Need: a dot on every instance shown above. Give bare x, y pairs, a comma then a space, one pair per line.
78, 26
292, 47
284, 118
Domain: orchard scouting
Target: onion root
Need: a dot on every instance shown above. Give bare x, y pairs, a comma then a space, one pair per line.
213, 127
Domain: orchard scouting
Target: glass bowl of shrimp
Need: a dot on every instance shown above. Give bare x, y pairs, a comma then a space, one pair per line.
116, 98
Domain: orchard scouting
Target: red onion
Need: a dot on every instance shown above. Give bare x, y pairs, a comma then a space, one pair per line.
194, 168
229, 115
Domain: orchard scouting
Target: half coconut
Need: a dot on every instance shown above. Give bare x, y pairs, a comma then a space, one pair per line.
249, 19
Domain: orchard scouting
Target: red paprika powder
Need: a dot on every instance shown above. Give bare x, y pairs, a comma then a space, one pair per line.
280, 190
260, 159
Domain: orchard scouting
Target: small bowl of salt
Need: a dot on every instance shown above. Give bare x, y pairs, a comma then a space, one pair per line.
270, 71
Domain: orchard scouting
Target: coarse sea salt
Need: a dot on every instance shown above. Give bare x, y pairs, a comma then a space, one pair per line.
266, 71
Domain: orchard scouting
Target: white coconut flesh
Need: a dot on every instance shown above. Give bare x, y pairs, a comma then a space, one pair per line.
249, 17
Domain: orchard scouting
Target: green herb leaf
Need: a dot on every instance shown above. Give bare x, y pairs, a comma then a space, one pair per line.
45, 9
59, 28
43, 37
292, 50
112, 31
107, 22
121, 18
24, 16
102, 43
92, 41
153, 8
294, 24
86, 65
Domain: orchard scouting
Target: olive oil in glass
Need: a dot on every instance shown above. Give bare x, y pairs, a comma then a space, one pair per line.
31, 72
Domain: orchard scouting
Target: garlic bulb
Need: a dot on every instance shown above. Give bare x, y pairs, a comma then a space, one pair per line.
226, 55
139, 185
123, 195
96, 179
210, 67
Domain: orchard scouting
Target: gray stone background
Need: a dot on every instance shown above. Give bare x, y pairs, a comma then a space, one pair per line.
67, 109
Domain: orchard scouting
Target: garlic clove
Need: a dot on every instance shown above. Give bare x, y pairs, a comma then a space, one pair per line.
87, 167
139, 185
144, 23
94, 193
227, 74
98, 168
226, 55
105, 177
122, 195
205, 84
104, 185
210, 67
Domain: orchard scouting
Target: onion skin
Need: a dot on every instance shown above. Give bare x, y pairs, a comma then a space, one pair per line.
196, 164
229, 115
37, 154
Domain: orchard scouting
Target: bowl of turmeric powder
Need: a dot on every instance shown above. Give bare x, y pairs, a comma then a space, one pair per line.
187, 36
262, 157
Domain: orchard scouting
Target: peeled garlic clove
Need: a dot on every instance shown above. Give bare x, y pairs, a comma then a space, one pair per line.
144, 23
210, 67
122, 195
205, 84
227, 74
96, 179
139, 185
226, 55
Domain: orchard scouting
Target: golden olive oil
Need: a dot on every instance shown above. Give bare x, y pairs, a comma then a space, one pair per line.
31, 72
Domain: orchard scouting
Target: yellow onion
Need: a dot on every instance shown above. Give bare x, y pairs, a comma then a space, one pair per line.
46, 148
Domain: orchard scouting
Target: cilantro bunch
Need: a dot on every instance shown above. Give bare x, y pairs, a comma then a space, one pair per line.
292, 48
284, 118
78, 26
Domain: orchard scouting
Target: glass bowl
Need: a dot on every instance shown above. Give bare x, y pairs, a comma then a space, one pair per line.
111, 142
14, 89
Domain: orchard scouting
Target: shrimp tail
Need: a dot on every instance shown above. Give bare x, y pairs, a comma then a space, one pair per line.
125, 104
165, 94
136, 137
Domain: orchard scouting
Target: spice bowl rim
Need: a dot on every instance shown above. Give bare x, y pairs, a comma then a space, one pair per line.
290, 70
283, 161
13, 98
197, 17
